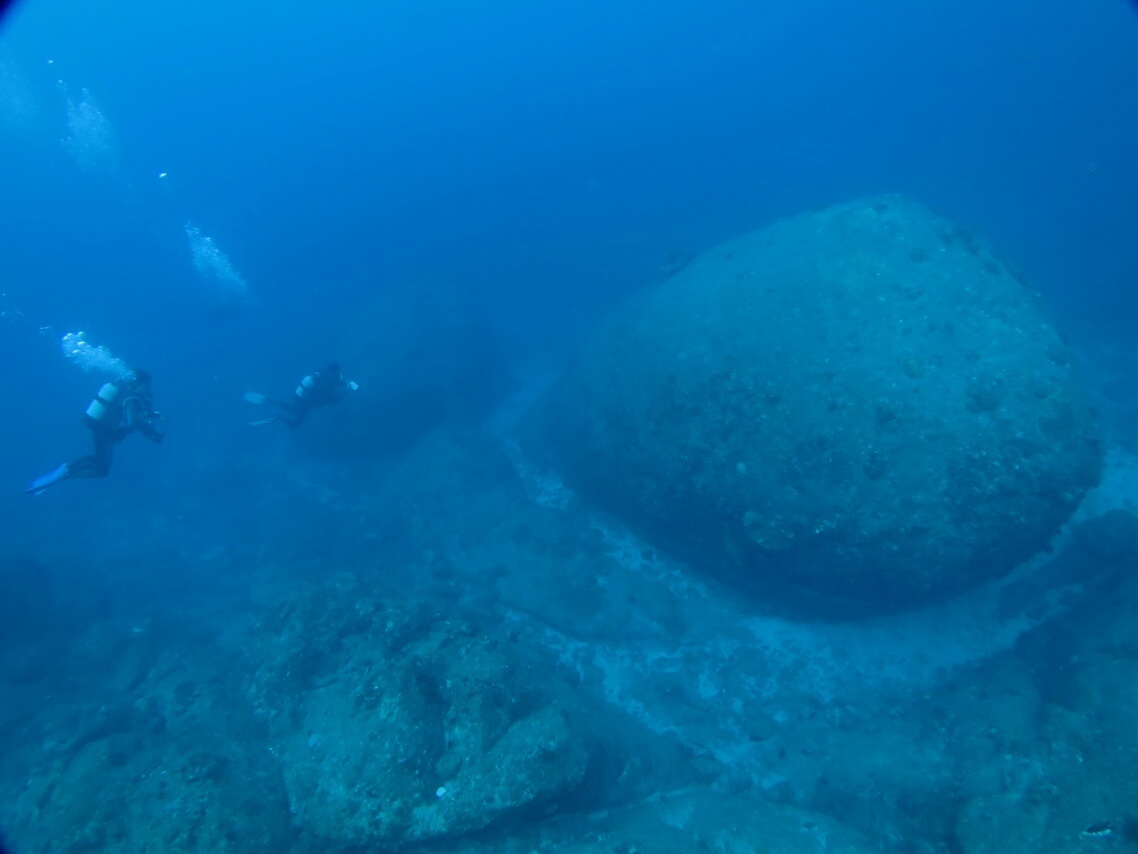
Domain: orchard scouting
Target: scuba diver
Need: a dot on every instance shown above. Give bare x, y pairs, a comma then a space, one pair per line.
120, 408
320, 388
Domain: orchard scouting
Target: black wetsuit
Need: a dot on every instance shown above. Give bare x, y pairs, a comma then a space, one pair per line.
324, 390
121, 419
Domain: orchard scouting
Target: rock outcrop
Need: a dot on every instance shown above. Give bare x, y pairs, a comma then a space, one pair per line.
857, 409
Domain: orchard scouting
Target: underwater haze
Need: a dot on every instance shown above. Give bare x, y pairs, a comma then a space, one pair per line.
736, 445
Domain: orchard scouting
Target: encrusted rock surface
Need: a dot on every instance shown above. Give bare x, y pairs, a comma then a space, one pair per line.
281, 714
856, 409
394, 725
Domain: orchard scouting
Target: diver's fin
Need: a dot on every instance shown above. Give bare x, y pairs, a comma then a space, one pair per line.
255, 397
40, 484
263, 421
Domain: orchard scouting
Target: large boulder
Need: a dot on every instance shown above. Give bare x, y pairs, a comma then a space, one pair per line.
860, 408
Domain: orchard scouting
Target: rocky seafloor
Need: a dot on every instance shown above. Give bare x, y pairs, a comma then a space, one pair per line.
456, 653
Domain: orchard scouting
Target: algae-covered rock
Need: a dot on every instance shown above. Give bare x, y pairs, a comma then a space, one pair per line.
408, 727
697, 819
857, 408
1045, 736
174, 764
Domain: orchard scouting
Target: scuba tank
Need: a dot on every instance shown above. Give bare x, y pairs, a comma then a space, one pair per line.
306, 385
104, 399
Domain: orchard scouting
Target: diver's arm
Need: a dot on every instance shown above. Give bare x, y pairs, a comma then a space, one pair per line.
344, 388
142, 419
152, 433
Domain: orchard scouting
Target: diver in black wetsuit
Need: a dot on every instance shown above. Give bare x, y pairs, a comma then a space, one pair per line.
120, 408
320, 388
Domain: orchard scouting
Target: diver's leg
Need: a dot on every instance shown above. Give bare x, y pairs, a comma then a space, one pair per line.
104, 452
95, 464
292, 412
98, 463
295, 417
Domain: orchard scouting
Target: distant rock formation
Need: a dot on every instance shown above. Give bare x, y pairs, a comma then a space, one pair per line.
27, 599
860, 409
423, 357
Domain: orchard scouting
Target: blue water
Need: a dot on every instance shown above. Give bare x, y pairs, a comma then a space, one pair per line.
541, 161
533, 162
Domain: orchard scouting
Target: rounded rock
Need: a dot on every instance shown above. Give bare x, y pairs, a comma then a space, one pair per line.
861, 409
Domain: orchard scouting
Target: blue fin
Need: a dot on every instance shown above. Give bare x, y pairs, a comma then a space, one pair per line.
40, 484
